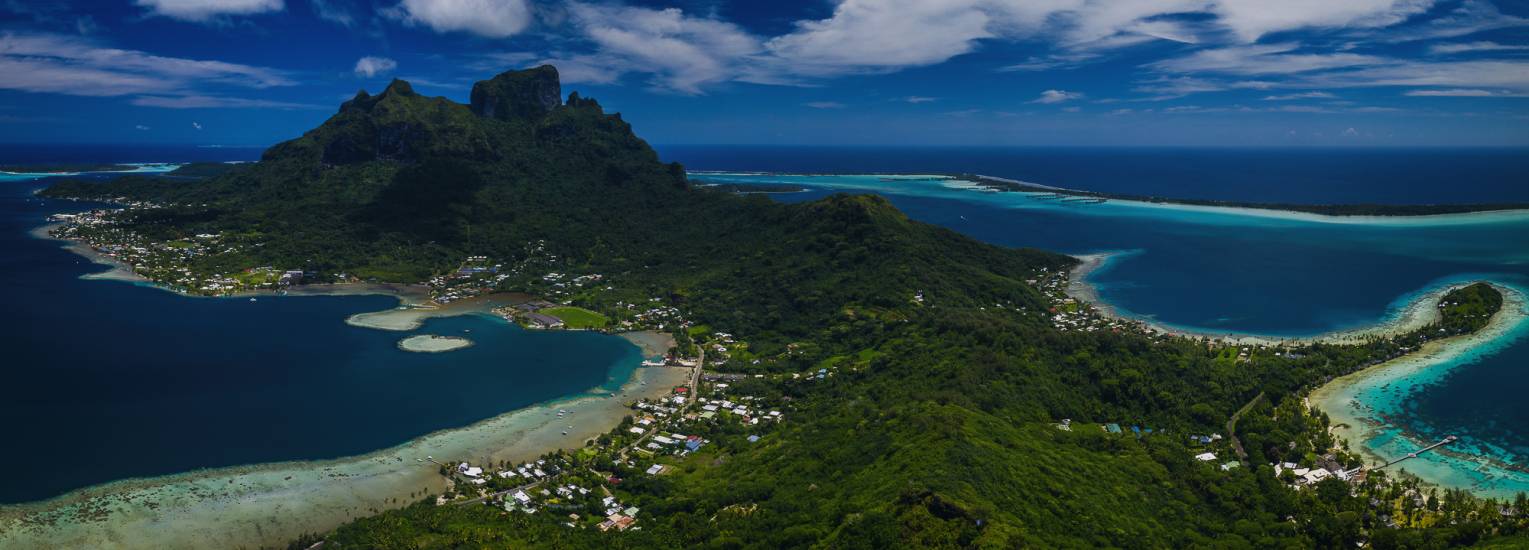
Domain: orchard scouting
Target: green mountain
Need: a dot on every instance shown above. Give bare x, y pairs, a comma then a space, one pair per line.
937, 428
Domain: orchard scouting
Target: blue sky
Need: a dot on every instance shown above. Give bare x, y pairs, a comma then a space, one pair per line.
816, 72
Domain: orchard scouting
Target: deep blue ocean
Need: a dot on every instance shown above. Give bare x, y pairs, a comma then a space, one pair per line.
117, 380
104, 380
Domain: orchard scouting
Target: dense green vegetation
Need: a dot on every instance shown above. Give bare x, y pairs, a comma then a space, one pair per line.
937, 427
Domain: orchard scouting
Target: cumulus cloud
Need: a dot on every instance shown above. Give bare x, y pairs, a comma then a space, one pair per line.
371, 66
488, 18
1056, 96
204, 10
682, 53
884, 34
1252, 19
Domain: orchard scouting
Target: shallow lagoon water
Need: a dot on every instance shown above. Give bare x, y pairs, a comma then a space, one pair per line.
1235, 271
106, 380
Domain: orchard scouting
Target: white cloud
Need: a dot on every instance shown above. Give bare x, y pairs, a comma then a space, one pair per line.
1251, 19
204, 10
1350, 132
371, 66
216, 102
1302, 95
603, 42
1050, 62
1263, 59
919, 99
142, 127
1471, 17
825, 105
1056, 96
1461, 92
1507, 75
488, 18
196, 125
682, 53
1483, 46
876, 35
334, 11
75, 66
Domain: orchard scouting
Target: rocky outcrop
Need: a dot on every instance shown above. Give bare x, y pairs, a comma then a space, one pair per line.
518, 95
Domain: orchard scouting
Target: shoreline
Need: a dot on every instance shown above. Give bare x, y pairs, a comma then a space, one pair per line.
1419, 311
1362, 429
118, 271
272, 504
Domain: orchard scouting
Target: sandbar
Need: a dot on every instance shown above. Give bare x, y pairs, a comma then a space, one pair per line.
431, 343
412, 313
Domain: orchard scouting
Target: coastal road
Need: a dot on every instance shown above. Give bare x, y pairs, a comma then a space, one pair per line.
695, 378
1231, 426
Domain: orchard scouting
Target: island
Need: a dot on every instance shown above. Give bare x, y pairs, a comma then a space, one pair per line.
839, 376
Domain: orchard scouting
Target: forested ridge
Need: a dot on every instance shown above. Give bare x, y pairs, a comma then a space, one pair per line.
939, 425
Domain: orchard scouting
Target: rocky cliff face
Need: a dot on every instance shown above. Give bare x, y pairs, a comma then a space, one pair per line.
518, 95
